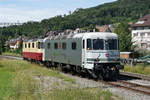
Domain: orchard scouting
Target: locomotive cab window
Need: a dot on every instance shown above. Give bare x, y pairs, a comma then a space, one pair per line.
48, 45
98, 44
111, 44
56, 45
83, 42
63, 45
74, 45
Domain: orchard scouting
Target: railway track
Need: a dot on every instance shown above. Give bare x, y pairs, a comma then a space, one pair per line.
141, 76
130, 86
11, 57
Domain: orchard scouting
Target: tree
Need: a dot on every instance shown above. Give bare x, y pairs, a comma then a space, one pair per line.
1, 42
124, 35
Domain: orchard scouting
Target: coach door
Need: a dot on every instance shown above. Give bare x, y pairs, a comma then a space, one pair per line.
83, 52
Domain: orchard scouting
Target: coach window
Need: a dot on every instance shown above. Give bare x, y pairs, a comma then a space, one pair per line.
89, 46
25, 45
48, 45
28, 45
38, 45
64, 45
56, 45
32, 45
74, 45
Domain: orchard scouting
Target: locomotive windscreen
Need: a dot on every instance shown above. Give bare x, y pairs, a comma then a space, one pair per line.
95, 44
111, 44
98, 44
101, 44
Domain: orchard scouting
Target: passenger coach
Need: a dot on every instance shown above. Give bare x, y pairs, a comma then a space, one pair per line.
33, 50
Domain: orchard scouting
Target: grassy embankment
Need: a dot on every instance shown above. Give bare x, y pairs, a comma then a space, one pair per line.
139, 68
21, 80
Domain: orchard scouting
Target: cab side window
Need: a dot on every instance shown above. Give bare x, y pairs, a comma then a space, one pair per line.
83, 44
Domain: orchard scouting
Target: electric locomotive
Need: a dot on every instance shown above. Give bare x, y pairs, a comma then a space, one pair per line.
96, 53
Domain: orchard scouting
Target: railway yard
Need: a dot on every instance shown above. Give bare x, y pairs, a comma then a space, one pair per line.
129, 86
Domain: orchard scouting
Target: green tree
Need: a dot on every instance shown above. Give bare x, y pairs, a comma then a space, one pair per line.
1, 42
124, 35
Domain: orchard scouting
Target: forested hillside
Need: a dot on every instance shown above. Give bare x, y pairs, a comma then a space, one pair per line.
109, 13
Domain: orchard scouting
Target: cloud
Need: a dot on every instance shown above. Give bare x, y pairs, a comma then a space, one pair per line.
23, 15
36, 10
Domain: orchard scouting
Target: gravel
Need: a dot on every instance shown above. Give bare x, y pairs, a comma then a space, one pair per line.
48, 83
123, 93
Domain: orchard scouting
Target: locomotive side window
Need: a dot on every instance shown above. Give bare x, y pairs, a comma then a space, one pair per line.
89, 45
56, 45
98, 44
83, 44
74, 45
32, 45
28, 45
48, 45
63, 45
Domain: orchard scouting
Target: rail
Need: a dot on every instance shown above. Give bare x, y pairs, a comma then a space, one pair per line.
145, 77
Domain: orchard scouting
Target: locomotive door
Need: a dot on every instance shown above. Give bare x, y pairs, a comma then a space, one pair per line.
83, 53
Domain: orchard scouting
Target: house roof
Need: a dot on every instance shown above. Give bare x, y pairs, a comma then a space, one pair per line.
144, 21
104, 28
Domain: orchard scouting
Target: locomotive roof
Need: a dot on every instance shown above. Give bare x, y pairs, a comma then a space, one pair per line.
34, 40
84, 35
95, 35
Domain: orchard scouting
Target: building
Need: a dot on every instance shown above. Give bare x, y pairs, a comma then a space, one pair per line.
141, 33
105, 28
15, 44
79, 30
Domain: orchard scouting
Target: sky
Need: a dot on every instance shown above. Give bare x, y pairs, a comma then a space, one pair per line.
37, 10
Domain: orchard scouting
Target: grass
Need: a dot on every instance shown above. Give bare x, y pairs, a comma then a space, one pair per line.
80, 94
11, 54
139, 68
17, 82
